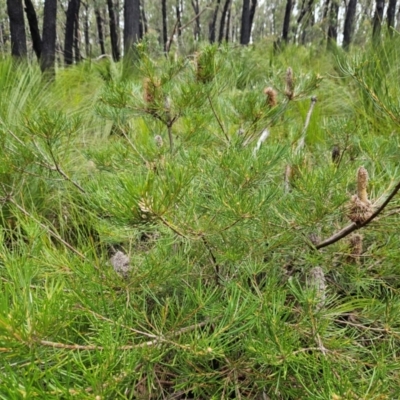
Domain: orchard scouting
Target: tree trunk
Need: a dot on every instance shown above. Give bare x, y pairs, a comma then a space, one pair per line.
228, 25
178, 18
348, 23
86, 29
73, 6
113, 31
286, 20
211, 31
33, 27
99, 22
223, 19
164, 24
77, 33
196, 9
48, 56
252, 13
131, 25
390, 15
245, 23
333, 22
143, 19
377, 22
17, 28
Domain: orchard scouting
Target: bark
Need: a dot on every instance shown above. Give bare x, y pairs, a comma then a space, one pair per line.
333, 22
228, 25
131, 25
349, 23
245, 23
77, 33
69, 31
178, 18
99, 22
196, 9
48, 56
86, 29
143, 18
17, 28
378, 17
33, 27
164, 24
390, 15
213, 23
252, 13
223, 19
113, 31
286, 20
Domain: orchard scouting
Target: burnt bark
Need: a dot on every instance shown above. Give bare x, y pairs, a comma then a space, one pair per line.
17, 28
178, 18
164, 24
86, 30
245, 23
48, 55
33, 27
100, 31
349, 23
333, 22
390, 15
113, 31
377, 21
213, 23
132, 25
286, 20
77, 52
73, 7
223, 19
253, 7
196, 9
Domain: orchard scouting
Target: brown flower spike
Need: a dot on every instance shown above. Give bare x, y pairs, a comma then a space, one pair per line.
271, 96
360, 207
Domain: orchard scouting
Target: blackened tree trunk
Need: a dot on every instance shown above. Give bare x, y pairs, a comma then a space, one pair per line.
228, 26
252, 13
286, 20
196, 9
132, 25
113, 31
178, 18
223, 19
77, 51
48, 56
33, 27
213, 23
17, 28
86, 30
245, 23
349, 23
164, 23
99, 22
390, 15
377, 22
143, 20
333, 22
73, 7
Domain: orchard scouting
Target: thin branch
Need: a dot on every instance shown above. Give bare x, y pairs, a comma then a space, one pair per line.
217, 118
302, 140
354, 226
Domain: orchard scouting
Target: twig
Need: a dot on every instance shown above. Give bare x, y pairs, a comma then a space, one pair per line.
302, 140
217, 118
213, 260
354, 226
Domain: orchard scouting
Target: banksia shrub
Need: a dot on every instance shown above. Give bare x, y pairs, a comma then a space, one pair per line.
289, 91
271, 96
360, 208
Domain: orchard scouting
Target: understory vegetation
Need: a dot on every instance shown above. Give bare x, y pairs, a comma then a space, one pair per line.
177, 232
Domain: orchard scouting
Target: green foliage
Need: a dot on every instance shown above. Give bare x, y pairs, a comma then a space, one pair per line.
167, 167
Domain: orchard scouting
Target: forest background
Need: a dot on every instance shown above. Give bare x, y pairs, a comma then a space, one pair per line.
199, 200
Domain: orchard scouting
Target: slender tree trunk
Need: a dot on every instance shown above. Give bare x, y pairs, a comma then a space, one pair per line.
99, 22
223, 19
113, 31
245, 23
132, 25
228, 26
286, 20
143, 18
73, 7
349, 23
77, 33
196, 9
178, 18
164, 24
333, 22
48, 56
252, 13
33, 27
211, 31
390, 16
17, 28
86, 29
377, 21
